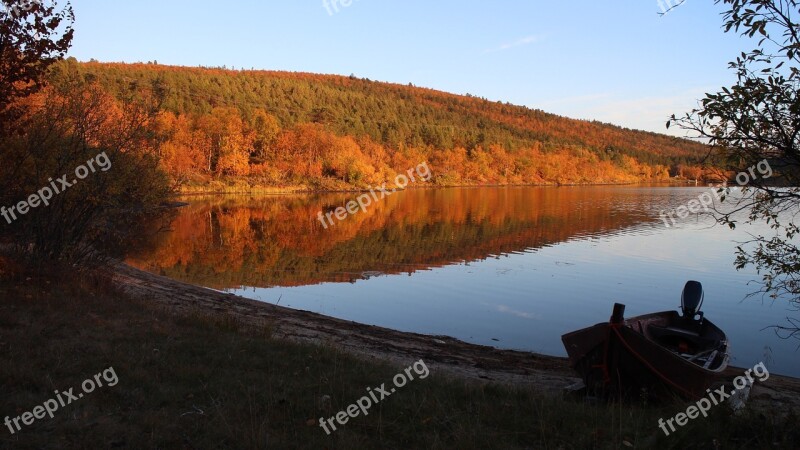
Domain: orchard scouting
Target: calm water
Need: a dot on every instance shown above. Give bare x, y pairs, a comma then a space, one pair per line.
507, 267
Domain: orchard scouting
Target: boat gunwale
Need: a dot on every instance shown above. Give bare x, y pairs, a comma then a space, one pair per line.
628, 323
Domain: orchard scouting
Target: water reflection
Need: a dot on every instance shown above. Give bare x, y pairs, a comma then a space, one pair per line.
508, 267
233, 241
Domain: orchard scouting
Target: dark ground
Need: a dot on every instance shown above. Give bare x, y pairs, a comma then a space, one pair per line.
190, 377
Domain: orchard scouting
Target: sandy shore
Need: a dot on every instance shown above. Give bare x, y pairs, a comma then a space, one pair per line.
547, 373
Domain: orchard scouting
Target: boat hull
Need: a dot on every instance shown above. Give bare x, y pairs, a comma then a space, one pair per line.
630, 358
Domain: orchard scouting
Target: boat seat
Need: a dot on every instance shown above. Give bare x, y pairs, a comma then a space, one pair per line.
675, 331
672, 334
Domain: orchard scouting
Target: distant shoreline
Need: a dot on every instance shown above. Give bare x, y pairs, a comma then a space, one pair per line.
214, 189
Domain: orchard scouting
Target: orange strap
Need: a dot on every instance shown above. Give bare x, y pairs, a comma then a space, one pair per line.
615, 327
604, 365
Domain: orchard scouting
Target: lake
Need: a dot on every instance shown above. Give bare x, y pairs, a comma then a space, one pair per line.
510, 267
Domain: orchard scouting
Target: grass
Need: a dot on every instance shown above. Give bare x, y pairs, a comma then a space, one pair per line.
201, 382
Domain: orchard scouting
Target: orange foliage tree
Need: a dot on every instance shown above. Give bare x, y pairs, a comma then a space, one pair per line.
230, 141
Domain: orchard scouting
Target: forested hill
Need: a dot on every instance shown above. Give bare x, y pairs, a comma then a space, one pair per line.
296, 127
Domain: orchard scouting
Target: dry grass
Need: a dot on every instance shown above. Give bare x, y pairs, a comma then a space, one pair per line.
204, 382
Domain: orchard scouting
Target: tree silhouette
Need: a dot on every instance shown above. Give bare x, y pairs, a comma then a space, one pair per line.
756, 123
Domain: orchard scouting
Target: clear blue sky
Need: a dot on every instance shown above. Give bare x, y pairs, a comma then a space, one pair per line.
614, 61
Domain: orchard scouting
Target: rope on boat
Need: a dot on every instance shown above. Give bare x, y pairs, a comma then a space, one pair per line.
615, 327
604, 365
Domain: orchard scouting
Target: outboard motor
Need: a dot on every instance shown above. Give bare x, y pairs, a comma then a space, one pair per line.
691, 300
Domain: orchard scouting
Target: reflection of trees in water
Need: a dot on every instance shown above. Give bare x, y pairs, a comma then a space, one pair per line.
226, 242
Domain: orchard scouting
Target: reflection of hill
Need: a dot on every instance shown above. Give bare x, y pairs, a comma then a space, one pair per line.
224, 242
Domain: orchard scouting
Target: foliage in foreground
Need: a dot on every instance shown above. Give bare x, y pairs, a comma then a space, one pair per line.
755, 119
77, 170
65, 128
33, 36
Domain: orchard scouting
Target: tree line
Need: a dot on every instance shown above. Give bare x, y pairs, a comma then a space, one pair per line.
333, 132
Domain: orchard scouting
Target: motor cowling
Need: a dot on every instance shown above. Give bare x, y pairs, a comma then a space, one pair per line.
692, 299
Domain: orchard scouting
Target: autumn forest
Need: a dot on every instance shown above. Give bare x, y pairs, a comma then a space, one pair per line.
216, 129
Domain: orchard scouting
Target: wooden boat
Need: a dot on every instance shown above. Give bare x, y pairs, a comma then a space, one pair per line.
654, 354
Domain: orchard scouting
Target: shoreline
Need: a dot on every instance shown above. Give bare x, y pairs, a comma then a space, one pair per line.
443, 352
304, 189
550, 374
